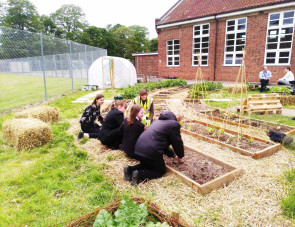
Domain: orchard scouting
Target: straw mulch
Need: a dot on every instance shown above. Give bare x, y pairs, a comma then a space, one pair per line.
287, 99
26, 133
252, 199
237, 88
43, 113
88, 219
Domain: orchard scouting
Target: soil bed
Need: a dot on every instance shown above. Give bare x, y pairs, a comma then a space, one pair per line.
197, 167
167, 93
159, 107
241, 142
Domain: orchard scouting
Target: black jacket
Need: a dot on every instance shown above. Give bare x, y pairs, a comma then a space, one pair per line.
111, 126
130, 135
90, 114
157, 138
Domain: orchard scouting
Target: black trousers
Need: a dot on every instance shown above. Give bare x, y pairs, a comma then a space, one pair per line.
151, 168
93, 131
113, 140
264, 83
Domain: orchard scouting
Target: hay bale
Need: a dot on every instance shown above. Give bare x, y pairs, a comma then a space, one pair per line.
237, 88
43, 113
287, 100
26, 133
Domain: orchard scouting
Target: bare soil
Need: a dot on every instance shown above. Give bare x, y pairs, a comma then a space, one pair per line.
168, 93
242, 142
159, 107
197, 167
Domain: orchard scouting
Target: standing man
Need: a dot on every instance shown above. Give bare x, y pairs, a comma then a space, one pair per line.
264, 77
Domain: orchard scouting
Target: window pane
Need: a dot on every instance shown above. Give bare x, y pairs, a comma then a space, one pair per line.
275, 16
230, 36
288, 21
240, 41
176, 52
242, 21
287, 30
205, 32
176, 58
169, 59
170, 42
197, 45
169, 47
284, 60
170, 52
197, 40
230, 43
197, 32
204, 62
272, 39
204, 57
176, 63
241, 35
238, 61
229, 49
272, 46
195, 62
176, 47
271, 54
205, 44
206, 26
176, 41
205, 39
289, 14
239, 48
285, 45
205, 50
285, 38
241, 27
274, 23
197, 51
232, 28
197, 28
273, 32
284, 54
270, 61
231, 22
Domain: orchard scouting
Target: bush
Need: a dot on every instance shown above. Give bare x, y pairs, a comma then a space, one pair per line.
132, 91
280, 89
200, 89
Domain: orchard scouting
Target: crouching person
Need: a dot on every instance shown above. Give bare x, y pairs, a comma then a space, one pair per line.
131, 129
153, 143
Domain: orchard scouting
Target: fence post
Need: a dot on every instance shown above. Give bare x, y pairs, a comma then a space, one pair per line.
86, 62
43, 65
71, 66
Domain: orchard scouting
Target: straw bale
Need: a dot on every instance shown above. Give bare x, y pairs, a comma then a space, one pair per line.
287, 99
43, 113
237, 88
26, 133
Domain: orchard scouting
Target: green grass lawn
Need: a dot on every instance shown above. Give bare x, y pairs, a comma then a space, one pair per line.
16, 90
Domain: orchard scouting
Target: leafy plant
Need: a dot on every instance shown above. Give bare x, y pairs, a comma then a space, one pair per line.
190, 127
198, 90
129, 213
250, 140
210, 129
280, 89
158, 107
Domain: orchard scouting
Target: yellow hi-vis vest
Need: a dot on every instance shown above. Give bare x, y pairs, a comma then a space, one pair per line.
146, 106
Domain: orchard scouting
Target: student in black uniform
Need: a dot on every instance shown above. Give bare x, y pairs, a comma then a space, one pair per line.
110, 132
132, 129
150, 147
91, 113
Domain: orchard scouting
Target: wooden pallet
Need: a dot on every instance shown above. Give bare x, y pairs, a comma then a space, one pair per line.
214, 184
262, 103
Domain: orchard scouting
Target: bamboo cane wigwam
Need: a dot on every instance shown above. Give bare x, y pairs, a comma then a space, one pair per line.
43, 113
26, 133
88, 219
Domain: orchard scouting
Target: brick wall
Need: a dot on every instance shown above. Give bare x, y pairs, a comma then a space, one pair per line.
255, 50
146, 65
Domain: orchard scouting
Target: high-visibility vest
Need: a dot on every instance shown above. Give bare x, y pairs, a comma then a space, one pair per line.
147, 105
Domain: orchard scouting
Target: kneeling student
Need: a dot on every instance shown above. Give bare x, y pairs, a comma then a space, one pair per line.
132, 129
153, 143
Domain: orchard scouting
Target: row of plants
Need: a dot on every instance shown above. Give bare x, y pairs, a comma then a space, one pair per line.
280, 89
132, 91
200, 89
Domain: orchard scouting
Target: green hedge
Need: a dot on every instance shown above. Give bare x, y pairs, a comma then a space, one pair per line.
200, 89
132, 91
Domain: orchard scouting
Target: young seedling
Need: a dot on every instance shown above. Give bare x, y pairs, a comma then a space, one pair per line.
250, 140
181, 123
210, 129
158, 107
190, 127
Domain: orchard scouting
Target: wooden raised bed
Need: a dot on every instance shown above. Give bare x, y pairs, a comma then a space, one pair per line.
230, 174
234, 119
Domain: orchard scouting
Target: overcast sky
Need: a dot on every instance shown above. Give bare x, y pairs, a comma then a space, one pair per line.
102, 12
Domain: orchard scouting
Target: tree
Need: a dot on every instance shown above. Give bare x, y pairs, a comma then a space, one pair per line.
153, 44
21, 14
71, 20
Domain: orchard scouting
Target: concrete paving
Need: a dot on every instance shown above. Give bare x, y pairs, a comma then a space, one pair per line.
89, 97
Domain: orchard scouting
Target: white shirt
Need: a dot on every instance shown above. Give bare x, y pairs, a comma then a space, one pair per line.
289, 76
265, 75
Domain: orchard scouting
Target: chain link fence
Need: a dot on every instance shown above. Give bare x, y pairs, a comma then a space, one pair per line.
35, 67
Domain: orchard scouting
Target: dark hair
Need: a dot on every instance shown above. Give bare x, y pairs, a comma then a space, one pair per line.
133, 113
288, 67
142, 92
119, 103
97, 97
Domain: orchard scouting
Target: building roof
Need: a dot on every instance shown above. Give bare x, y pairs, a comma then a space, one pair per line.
192, 9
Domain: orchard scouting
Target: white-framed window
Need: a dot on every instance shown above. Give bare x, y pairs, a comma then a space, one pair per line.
235, 41
173, 52
201, 44
279, 38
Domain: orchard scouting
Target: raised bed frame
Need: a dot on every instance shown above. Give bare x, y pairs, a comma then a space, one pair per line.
214, 184
292, 131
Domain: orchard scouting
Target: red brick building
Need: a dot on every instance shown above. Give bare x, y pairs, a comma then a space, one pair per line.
219, 30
